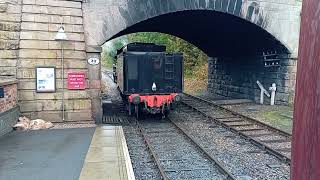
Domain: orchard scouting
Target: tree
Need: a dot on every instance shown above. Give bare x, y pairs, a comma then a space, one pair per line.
109, 50
193, 56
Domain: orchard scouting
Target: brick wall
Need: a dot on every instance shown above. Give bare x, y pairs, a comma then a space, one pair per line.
9, 111
236, 78
10, 97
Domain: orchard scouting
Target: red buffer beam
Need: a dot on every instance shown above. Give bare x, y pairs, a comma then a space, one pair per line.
305, 164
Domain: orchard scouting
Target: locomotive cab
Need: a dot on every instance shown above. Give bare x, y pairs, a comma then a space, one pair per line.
148, 78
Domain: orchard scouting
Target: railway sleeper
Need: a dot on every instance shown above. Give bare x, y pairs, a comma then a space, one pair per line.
240, 125
185, 169
275, 141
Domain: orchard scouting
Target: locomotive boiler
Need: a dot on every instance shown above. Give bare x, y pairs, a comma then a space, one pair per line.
149, 79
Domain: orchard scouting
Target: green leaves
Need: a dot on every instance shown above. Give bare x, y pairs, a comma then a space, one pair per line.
193, 56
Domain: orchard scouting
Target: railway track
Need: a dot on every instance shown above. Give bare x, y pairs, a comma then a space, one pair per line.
176, 154
266, 137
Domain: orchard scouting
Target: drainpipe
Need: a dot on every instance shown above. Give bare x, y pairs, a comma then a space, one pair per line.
61, 36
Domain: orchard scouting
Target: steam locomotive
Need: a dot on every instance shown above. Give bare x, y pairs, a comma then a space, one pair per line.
149, 79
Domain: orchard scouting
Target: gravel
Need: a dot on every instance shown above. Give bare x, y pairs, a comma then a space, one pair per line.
143, 165
109, 88
218, 113
232, 150
185, 159
179, 157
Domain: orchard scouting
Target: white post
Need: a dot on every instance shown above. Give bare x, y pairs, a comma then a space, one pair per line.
262, 92
273, 90
261, 96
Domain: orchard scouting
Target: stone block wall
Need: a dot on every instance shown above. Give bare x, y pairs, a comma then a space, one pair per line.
10, 17
236, 78
40, 21
9, 110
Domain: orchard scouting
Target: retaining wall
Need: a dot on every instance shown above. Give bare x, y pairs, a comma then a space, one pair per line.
236, 78
9, 109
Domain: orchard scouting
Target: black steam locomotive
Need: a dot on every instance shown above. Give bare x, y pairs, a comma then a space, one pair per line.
148, 78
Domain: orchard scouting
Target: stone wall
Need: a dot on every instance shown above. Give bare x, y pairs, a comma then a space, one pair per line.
237, 78
10, 17
9, 110
41, 20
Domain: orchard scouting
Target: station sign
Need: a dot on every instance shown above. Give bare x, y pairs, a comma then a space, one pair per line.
76, 80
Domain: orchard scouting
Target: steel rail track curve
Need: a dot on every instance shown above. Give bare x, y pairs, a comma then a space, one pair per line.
254, 141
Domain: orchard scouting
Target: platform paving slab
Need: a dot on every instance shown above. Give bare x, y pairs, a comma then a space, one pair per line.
56, 154
107, 157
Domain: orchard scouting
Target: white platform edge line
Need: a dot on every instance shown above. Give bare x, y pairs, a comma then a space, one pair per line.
126, 155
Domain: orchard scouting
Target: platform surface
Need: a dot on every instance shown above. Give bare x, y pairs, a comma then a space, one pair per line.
108, 157
66, 154
56, 154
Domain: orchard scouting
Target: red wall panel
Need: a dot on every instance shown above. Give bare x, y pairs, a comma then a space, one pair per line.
306, 131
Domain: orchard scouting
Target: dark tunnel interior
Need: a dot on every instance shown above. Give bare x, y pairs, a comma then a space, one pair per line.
217, 34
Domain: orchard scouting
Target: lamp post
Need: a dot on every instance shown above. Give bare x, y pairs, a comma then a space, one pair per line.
61, 36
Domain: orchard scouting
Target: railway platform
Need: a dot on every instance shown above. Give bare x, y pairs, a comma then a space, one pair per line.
66, 154
108, 156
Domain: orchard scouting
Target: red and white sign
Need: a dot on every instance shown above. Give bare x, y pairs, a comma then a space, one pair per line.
76, 80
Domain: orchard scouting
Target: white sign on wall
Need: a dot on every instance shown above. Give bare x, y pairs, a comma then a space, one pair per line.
45, 79
93, 61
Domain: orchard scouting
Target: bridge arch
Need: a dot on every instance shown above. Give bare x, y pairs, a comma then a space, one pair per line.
238, 21
246, 28
216, 33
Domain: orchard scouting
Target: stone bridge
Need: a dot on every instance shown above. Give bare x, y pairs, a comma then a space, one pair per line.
240, 36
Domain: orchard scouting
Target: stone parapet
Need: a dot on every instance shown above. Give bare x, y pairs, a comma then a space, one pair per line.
8, 119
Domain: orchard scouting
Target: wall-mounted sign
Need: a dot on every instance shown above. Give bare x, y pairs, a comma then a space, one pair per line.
45, 79
93, 61
76, 80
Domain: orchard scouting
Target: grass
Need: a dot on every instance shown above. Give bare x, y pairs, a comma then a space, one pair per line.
279, 118
196, 80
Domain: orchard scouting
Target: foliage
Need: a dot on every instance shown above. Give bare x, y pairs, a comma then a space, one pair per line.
198, 82
110, 50
193, 56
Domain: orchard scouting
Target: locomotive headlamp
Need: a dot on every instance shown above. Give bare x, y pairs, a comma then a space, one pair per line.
154, 87
177, 98
136, 100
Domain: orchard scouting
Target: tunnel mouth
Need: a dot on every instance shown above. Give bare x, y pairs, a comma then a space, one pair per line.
217, 34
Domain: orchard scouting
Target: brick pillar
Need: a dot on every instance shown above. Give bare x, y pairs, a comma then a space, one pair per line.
306, 126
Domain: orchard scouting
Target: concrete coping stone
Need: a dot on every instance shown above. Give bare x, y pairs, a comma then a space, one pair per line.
93, 49
7, 81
